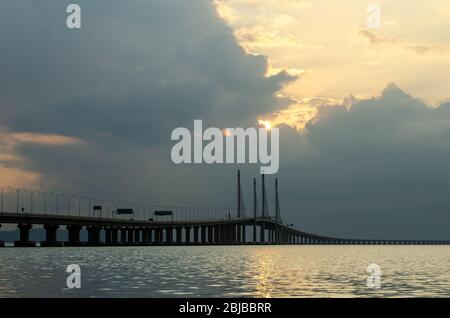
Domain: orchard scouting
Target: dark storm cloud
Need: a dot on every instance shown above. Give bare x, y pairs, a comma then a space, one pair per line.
134, 72
380, 169
138, 69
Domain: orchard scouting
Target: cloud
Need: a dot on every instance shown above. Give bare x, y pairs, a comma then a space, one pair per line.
377, 169
377, 40
50, 139
112, 92
396, 42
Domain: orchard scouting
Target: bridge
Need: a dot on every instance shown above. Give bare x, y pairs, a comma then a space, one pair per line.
119, 223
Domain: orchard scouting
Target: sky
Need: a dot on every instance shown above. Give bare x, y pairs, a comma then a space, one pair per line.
327, 43
364, 114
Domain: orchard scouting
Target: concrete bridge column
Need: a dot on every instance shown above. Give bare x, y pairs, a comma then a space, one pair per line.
50, 235
195, 234
203, 234
179, 231
158, 235
150, 234
24, 236
123, 235
114, 235
169, 235
137, 235
144, 232
222, 234
74, 234
2, 243
239, 234
216, 234
227, 233
244, 233
187, 234
233, 234
262, 231
93, 235
107, 235
130, 232
210, 235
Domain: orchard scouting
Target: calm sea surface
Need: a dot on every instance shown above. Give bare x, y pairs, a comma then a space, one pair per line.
226, 271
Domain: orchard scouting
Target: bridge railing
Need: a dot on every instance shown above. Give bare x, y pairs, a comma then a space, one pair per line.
26, 201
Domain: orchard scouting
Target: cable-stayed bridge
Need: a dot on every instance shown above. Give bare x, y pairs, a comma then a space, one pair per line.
122, 223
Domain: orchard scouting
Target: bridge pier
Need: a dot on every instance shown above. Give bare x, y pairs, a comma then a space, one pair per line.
244, 234
108, 234
239, 234
203, 234
229, 233
93, 235
74, 234
179, 232
158, 235
144, 236
2, 243
150, 235
24, 236
221, 234
216, 234
187, 235
114, 236
195, 227
169, 235
262, 234
137, 236
123, 235
50, 236
210, 234
130, 236
232, 234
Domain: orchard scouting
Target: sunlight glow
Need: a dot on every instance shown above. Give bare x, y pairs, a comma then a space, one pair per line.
265, 123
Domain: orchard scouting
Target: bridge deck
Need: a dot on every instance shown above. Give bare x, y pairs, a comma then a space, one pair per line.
289, 235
